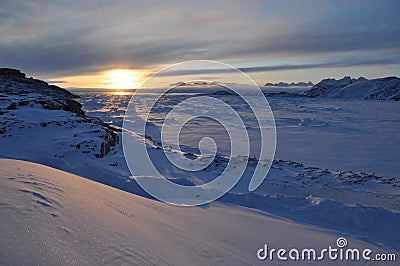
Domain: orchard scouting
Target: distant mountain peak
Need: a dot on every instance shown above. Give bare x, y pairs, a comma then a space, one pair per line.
284, 84
193, 83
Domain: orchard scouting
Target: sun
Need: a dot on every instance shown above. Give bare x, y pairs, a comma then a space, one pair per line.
121, 79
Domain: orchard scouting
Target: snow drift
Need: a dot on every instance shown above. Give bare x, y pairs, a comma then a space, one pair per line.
50, 217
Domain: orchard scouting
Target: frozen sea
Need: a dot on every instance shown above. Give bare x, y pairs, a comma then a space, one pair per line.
323, 175
347, 135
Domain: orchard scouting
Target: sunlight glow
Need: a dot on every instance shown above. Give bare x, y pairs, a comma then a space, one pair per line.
122, 93
117, 79
121, 79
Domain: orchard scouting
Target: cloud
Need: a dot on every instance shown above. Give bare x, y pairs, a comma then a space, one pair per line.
57, 82
343, 63
73, 37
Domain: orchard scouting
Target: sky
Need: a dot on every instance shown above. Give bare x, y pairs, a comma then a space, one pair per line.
92, 43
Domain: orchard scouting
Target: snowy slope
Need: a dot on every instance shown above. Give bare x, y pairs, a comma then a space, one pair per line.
50, 217
347, 88
44, 123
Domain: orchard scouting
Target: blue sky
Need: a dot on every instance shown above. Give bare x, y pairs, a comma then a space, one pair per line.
270, 40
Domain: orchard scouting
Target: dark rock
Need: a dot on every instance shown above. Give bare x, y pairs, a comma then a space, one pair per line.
74, 106
223, 93
12, 106
23, 103
9, 72
396, 97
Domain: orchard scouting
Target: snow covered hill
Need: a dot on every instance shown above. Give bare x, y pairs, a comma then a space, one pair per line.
50, 217
44, 123
361, 88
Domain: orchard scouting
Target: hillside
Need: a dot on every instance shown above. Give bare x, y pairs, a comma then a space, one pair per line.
347, 88
45, 123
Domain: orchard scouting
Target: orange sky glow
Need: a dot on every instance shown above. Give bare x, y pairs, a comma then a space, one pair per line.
119, 79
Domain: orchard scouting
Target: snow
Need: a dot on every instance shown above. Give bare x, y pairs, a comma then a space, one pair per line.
335, 174
50, 217
348, 88
306, 130
327, 133
348, 135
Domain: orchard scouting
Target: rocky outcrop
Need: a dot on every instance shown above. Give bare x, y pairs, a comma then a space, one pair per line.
14, 82
21, 98
11, 73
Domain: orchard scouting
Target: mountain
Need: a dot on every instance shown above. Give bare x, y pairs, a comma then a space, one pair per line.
193, 83
293, 84
349, 88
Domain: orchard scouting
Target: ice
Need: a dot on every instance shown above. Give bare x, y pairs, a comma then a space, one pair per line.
328, 133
